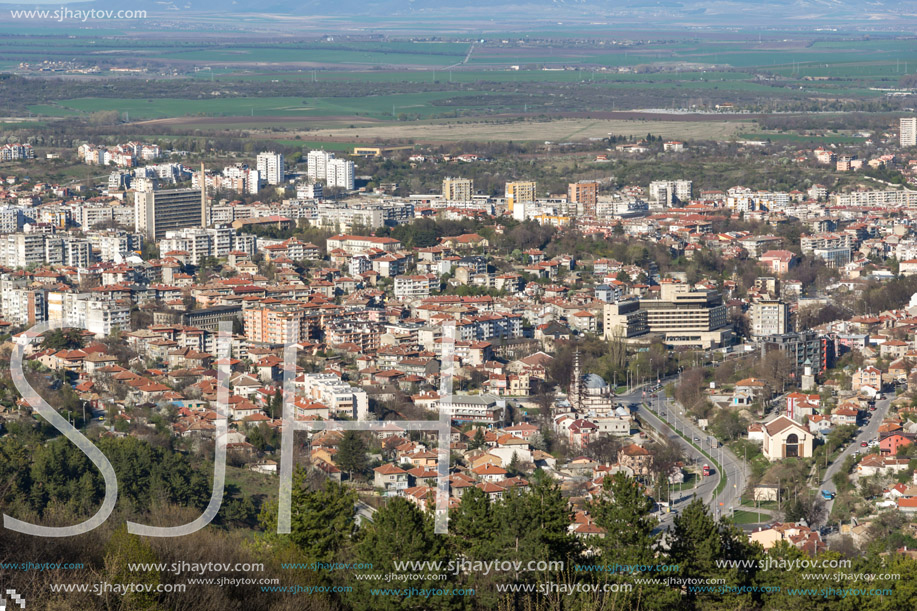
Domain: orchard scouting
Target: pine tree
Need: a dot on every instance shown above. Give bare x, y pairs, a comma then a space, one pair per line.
321, 521
629, 541
400, 532
277, 404
478, 440
698, 542
513, 467
351, 454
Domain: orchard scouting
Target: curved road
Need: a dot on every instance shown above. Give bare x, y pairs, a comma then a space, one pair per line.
866, 433
735, 471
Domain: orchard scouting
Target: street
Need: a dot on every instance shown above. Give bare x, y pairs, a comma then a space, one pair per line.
867, 433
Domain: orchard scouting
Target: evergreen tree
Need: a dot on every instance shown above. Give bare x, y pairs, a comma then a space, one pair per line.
277, 404
400, 532
351, 454
698, 542
321, 521
513, 467
124, 548
629, 541
478, 440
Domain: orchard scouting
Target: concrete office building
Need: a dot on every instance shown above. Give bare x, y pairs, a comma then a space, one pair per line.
156, 212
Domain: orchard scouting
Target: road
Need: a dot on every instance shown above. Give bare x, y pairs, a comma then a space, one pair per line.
736, 475
867, 433
362, 511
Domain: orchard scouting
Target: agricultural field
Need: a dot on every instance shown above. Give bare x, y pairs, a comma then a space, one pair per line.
562, 130
383, 106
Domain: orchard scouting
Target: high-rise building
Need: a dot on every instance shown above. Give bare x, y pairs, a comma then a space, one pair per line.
155, 212
519, 192
769, 317
458, 189
670, 192
340, 174
908, 135
585, 194
270, 168
317, 164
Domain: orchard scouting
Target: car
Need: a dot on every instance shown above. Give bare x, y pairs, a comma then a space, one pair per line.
696, 439
864, 445
872, 408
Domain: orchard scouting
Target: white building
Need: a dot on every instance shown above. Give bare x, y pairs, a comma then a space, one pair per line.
317, 164
670, 192
200, 243
271, 168
340, 174
420, 285
340, 397
908, 135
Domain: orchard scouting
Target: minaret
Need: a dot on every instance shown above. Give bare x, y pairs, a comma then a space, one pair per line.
576, 384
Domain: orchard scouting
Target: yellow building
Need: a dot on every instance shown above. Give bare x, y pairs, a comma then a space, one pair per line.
519, 192
458, 189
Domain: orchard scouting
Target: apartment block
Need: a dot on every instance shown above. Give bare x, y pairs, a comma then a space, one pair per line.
519, 192
585, 195
458, 189
421, 285
271, 168
908, 131
769, 317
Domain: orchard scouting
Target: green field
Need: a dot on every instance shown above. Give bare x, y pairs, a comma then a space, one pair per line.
378, 107
775, 137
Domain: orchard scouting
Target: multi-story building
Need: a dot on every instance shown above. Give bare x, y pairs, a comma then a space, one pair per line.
833, 257
355, 244
670, 192
458, 189
769, 317
804, 349
157, 211
10, 219
875, 198
65, 250
623, 319
340, 397
115, 245
211, 242
103, 317
271, 168
309, 191
317, 164
908, 133
687, 318
420, 285
340, 173
278, 324
519, 192
22, 305
25, 249
585, 195
16, 152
